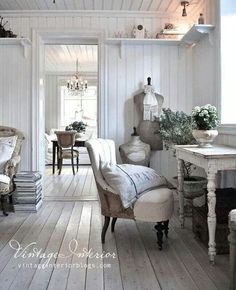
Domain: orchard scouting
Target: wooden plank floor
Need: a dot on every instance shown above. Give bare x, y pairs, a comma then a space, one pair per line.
67, 186
64, 231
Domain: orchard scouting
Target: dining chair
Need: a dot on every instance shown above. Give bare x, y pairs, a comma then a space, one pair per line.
66, 142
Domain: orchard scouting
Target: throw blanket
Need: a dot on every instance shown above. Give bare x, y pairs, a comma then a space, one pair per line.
130, 181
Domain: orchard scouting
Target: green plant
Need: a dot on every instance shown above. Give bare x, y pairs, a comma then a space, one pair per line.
77, 126
205, 117
176, 129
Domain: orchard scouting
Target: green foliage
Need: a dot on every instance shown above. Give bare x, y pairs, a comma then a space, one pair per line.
205, 117
176, 128
77, 126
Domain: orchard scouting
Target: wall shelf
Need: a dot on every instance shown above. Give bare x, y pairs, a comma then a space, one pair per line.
134, 41
191, 37
24, 42
195, 34
151, 41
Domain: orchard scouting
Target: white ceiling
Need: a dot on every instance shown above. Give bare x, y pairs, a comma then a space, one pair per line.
169, 6
62, 58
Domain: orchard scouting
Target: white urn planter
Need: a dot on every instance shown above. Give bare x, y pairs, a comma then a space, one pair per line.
205, 138
79, 134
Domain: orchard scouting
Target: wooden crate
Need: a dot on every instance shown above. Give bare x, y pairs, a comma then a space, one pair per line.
226, 200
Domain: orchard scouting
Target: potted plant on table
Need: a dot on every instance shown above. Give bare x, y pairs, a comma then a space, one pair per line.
176, 129
80, 127
205, 120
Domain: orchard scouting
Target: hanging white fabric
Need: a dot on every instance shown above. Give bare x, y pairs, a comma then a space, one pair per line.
150, 104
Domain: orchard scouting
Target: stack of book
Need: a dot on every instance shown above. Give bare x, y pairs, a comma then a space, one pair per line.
28, 193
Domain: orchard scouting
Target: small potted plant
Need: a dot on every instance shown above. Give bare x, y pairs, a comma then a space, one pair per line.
80, 127
205, 121
176, 129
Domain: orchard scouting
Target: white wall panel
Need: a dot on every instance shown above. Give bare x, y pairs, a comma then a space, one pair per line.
15, 95
206, 88
52, 101
169, 67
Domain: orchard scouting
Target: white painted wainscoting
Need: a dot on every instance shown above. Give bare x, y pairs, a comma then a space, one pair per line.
169, 66
15, 95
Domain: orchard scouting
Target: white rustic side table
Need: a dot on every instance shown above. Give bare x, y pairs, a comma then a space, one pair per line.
211, 159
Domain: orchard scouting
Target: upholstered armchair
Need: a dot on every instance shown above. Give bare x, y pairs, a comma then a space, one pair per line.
155, 205
11, 166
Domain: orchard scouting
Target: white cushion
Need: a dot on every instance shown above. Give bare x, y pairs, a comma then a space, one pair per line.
131, 180
154, 206
100, 150
7, 145
4, 179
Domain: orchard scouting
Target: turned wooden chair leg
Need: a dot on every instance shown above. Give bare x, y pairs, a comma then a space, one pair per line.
166, 228
3, 204
159, 229
113, 224
60, 165
11, 199
77, 163
72, 163
104, 229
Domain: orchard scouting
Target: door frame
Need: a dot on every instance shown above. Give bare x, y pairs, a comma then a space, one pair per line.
41, 37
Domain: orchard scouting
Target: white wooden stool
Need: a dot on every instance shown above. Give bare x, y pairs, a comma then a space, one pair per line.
4, 190
232, 244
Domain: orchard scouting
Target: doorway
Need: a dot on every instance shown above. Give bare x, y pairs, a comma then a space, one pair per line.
71, 86
42, 38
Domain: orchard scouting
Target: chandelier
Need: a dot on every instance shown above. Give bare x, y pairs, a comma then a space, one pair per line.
76, 84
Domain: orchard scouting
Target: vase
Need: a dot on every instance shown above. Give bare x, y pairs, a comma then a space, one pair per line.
135, 151
79, 134
205, 138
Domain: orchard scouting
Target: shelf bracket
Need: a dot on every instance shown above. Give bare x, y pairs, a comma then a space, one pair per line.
25, 48
208, 32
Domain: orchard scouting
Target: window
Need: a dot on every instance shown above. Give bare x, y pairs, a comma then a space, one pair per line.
228, 62
79, 107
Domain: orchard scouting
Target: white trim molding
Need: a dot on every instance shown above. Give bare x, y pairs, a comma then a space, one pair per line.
88, 13
71, 36
229, 129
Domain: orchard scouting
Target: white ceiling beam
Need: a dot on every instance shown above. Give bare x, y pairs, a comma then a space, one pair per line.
86, 13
